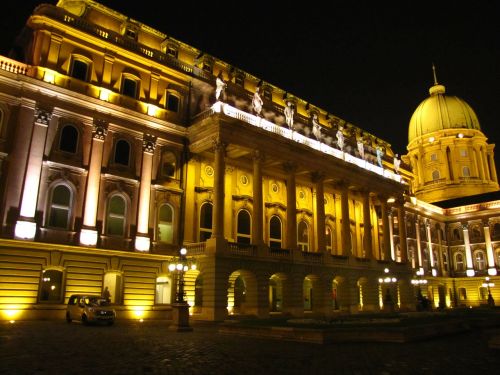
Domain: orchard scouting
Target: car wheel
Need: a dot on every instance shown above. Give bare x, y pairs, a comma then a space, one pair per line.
84, 319
68, 317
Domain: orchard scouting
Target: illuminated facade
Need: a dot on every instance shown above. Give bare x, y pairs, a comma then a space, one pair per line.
115, 153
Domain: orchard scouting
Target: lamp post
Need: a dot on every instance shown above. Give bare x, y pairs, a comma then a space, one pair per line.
388, 303
180, 308
488, 284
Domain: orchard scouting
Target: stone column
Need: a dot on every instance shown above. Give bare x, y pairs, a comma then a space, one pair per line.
391, 233
385, 229
367, 226
291, 206
257, 217
492, 271
346, 225
485, 165
402, 232
493, 170
468, 253
419, 246
25, 225
317, 179
219, 171
429, 246
142, 240
88, 234
440, 243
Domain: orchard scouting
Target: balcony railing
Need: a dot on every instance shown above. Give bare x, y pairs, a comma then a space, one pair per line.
242, 248
264, 124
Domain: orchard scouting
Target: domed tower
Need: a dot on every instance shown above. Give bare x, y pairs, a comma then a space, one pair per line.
449, 155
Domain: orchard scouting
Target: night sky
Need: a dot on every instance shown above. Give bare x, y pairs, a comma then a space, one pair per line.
368, 64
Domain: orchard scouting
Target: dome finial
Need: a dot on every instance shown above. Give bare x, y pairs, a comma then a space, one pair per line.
434, 73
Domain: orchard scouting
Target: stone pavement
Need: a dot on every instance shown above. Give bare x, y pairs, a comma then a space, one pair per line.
55, 347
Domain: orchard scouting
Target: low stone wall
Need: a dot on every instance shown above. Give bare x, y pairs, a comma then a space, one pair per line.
378, 333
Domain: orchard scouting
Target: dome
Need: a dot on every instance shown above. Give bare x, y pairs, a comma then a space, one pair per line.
441, 112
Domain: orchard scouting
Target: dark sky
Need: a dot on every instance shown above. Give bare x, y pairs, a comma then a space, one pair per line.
368, 63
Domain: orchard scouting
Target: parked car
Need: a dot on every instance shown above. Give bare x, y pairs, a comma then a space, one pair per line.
89, 308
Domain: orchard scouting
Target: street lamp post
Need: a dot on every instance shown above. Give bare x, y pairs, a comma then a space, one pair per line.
180, 308
388, 303
488, 284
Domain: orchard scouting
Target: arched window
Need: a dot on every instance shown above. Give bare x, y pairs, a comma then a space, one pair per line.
122, 152
167, 164
435, 175
303, 236
60, 207
51, 286
456, 234
166, 224
116, 216
466, 172
328, 238
205, 221
479, 260
173, 102
243, 232
275, 232
459, 262
68, 141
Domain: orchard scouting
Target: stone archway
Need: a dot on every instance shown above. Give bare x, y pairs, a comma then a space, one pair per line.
242, 293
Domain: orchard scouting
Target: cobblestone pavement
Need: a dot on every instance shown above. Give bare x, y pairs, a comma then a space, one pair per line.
55, 347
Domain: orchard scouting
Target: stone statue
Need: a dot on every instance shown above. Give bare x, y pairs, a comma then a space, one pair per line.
361, 148
397, 163
380, 153
316, 127
220, 86
257, 102
340, 138
289, 111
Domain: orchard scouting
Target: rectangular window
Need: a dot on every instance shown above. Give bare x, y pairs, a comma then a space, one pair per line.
130, 33
172, 103
171, 51
463, 153
434, 157
129, 87
239, 80
207, 67
79, 70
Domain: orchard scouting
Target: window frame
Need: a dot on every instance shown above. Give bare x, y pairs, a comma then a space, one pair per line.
245, 237
110, 215
171, 223
127, 77
275, 240
52, 206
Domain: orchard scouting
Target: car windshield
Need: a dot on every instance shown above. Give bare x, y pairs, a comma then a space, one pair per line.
96, 301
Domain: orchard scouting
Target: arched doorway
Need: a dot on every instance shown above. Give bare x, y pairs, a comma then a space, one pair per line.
275, 293
242, 293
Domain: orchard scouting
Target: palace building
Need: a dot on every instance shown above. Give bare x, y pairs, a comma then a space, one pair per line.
119, 145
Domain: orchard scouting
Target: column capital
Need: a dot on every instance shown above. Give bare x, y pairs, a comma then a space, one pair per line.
99, 129
219, 145
43, 115
290, 167
465, 226
149, 143
317, 176
258, 156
